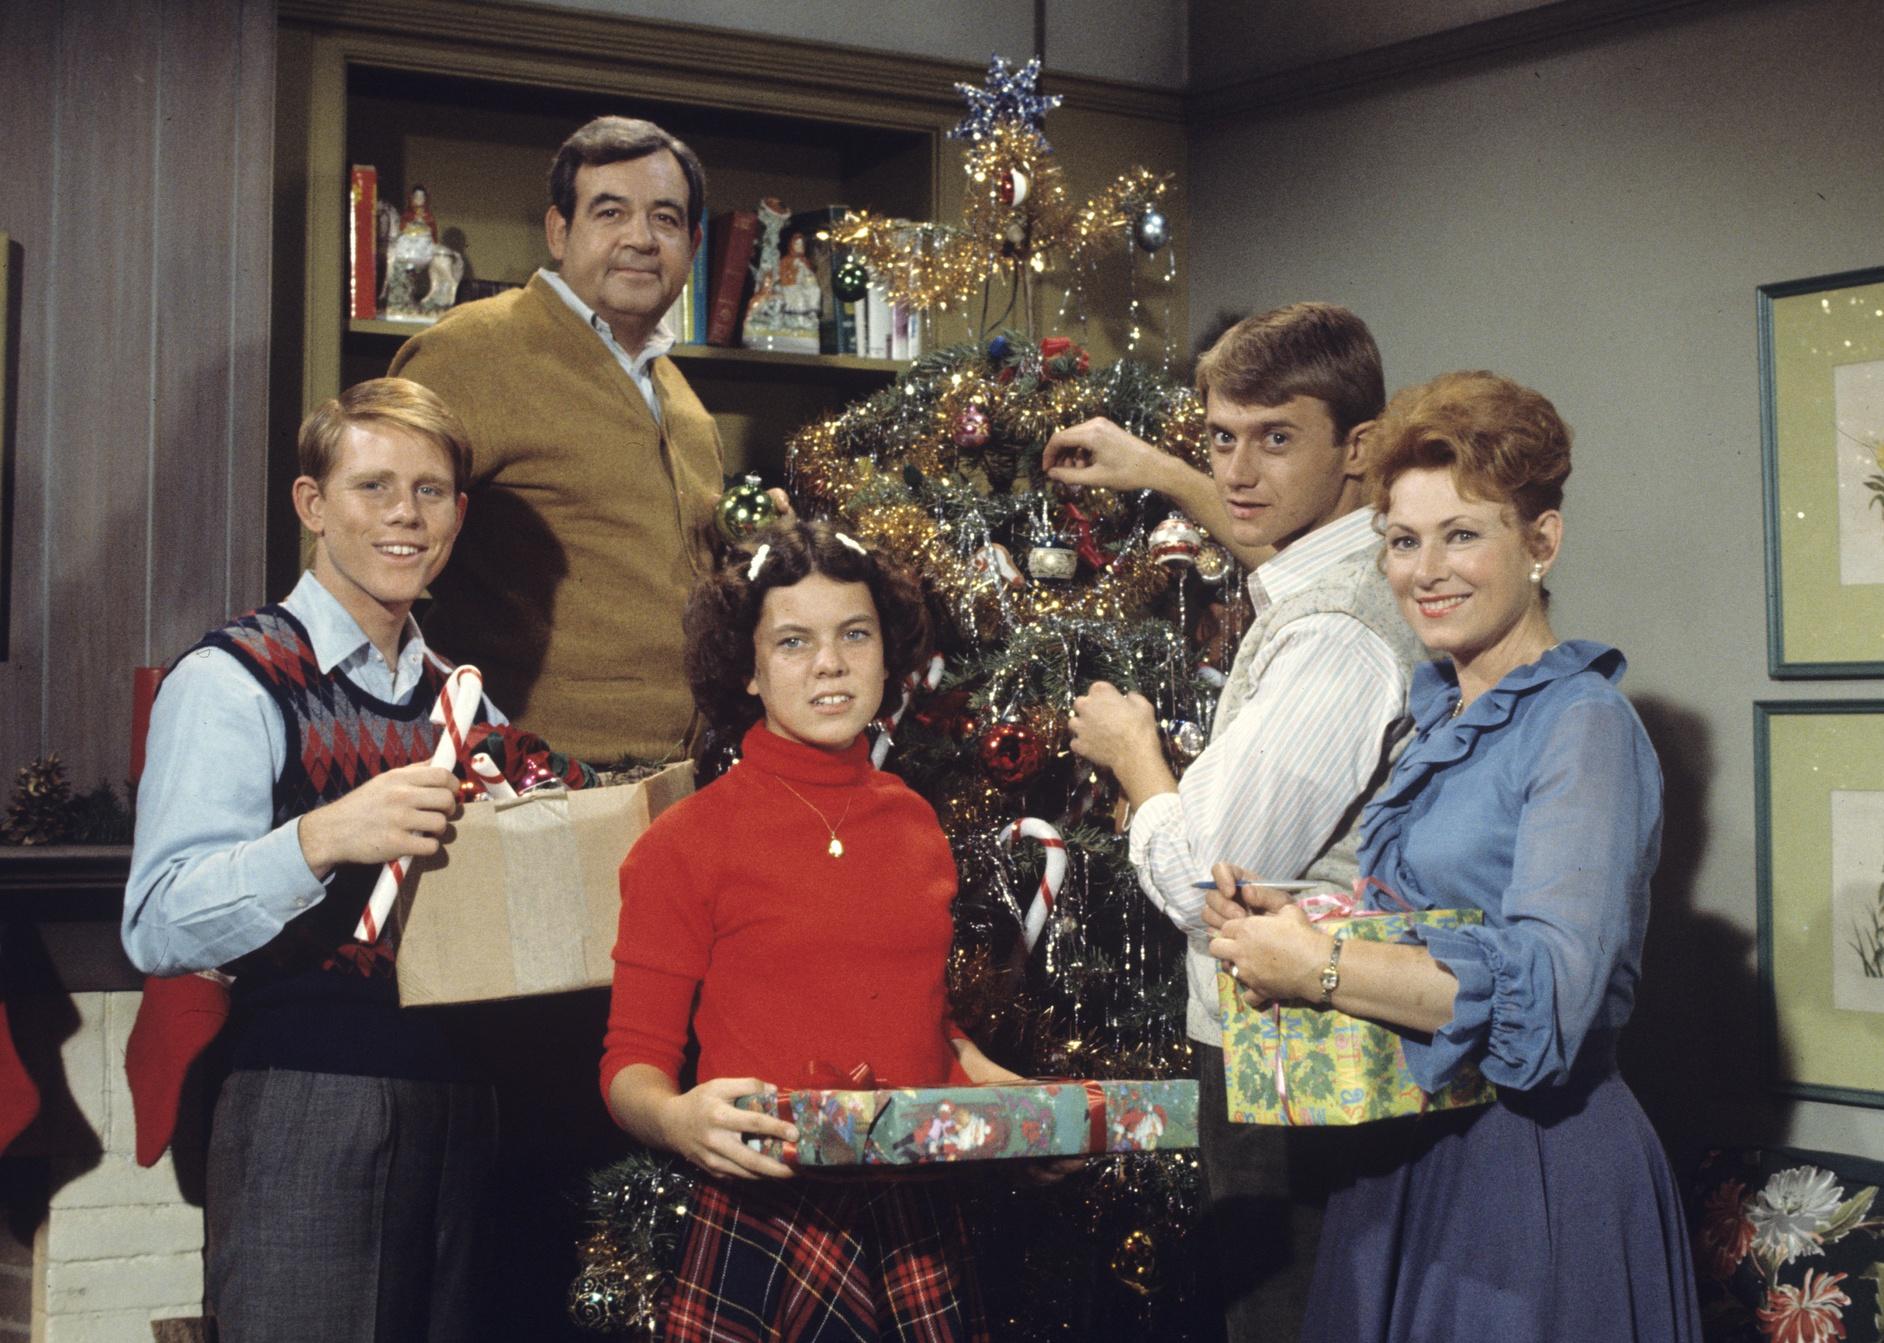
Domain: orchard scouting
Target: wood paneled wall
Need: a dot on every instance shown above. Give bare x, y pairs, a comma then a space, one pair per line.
136, 182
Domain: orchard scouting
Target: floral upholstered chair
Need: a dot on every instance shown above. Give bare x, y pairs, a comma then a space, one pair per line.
1788, 1247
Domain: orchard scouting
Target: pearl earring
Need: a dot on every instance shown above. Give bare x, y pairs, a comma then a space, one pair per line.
1537, 572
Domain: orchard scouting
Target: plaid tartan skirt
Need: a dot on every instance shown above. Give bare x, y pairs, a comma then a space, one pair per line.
825, 1260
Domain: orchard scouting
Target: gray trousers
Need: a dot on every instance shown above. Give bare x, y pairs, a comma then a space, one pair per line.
344, 1209
1264, 1189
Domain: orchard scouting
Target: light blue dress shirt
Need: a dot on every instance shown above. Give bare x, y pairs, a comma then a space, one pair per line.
212, 876
1541, 805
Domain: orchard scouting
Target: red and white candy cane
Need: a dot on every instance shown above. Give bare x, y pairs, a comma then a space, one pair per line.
1032, 827
496, 786
455, 711
927, 679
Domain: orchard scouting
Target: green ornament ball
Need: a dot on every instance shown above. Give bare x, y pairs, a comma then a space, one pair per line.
851, 282
743, 509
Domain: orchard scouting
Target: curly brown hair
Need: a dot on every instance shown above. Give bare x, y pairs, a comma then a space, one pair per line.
723, 613
1502, 442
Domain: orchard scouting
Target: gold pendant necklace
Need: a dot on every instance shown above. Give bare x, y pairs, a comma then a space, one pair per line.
836, 847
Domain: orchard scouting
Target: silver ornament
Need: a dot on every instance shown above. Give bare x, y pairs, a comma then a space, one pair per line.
1152, 230
1052, 563
1186, 738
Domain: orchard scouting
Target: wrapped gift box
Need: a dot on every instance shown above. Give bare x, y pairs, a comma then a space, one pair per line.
1317, 1067
916, 1126
524, 897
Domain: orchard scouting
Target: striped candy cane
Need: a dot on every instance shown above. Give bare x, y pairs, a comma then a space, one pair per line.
496, 786
927, 679
455, 711
1032, 827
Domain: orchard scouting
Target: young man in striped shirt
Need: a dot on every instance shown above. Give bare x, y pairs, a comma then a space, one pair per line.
1307, 724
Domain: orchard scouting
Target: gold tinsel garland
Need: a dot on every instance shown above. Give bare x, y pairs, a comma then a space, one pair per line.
1016, 216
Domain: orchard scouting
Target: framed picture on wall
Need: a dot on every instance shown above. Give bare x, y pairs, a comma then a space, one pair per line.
1819, 774
1822, 442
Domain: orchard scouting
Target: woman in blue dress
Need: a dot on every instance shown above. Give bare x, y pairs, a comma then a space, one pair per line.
1528, 791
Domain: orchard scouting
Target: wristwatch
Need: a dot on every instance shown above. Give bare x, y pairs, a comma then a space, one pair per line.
1331, 973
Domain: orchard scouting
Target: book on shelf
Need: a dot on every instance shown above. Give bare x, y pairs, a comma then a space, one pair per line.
837, 320
362, 241
697, 281
685, 319
905, 332
732, 238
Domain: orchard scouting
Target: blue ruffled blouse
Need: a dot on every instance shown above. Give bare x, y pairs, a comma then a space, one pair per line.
1541, 805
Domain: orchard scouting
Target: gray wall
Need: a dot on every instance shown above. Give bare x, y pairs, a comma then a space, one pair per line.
1228, 43
1593, 221
135, 179
1130, 40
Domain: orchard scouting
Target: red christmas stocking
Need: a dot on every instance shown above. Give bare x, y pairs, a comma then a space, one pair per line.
175, 1022
19, 1098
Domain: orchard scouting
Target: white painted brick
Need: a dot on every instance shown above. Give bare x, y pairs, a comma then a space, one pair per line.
78, 1234
120, 1133
108, 1326
83, 1056
144, 1284
116, 1180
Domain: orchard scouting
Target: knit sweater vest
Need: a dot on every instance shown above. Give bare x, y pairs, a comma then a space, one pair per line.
1352, 586
314, 999
589, 523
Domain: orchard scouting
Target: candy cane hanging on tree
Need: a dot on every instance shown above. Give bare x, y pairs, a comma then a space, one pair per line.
926, 679
1051, 880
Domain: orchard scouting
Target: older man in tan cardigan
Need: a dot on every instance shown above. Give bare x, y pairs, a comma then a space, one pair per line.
595, 467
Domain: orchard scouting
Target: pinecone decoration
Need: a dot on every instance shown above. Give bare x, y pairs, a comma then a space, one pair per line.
42, 810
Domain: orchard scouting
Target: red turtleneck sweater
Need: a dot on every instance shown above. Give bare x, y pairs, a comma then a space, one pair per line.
798, 957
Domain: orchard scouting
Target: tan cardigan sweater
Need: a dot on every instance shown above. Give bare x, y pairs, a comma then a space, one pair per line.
587, 525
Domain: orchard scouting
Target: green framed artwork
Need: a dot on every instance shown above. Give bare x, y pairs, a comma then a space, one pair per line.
1822, 446
1819, 774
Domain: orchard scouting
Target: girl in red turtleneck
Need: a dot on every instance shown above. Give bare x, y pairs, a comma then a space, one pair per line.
804, 898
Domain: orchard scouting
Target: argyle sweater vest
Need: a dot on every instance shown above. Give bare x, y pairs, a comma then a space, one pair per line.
313, 999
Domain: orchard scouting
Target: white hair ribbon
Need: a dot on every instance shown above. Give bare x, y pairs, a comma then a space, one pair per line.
758, 562
853, 544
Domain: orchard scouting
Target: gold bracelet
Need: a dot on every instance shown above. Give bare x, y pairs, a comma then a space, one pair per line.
1331, 973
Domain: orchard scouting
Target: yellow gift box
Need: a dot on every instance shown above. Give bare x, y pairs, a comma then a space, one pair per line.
1315, 1067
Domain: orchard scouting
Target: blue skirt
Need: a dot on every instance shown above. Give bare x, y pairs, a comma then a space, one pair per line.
1547, 1215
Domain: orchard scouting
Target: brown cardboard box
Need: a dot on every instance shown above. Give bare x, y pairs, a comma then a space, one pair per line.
522, 900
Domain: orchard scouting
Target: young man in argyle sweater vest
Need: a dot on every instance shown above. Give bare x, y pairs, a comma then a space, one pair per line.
286, 762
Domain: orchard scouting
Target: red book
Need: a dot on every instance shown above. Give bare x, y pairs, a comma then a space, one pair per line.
731, 239
362, 239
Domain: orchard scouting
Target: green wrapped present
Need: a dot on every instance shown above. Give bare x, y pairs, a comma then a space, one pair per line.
919, 1126
1315, 1067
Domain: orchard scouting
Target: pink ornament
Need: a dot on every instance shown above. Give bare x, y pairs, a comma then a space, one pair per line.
970, 429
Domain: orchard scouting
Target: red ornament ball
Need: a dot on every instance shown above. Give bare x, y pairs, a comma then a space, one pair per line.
1012, 753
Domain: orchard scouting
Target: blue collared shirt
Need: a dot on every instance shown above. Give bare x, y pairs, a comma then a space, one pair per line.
1540, 805
212, 876
636, 366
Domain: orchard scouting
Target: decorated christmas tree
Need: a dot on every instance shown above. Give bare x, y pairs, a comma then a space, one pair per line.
1061, 966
